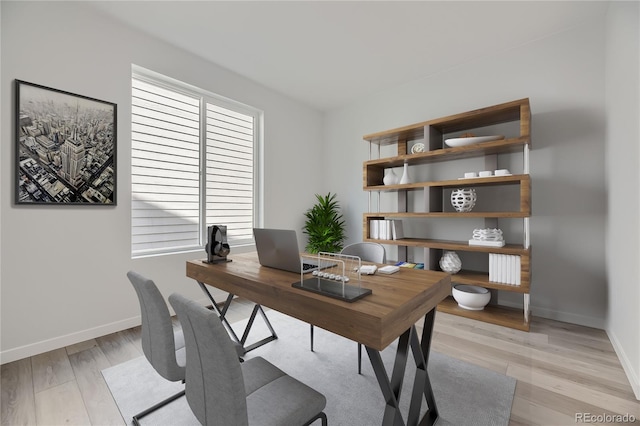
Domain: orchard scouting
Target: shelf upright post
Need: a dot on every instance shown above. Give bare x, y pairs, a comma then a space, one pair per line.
371, 158
402, 200
526, 231
369, 197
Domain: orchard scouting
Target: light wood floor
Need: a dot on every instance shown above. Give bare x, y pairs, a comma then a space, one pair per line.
561, 369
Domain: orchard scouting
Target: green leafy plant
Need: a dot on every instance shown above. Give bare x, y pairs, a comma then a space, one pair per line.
324, 225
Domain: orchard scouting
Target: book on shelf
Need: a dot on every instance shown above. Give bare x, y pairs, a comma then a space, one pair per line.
397, 230
385, 229
504, 268
374, 229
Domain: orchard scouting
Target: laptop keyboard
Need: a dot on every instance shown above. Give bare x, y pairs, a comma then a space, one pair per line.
307, 266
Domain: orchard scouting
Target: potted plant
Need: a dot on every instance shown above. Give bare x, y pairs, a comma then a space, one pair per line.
324, 225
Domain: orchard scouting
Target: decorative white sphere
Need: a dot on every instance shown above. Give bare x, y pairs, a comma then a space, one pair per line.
463, 200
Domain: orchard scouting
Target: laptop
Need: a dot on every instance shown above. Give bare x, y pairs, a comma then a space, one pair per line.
278, 248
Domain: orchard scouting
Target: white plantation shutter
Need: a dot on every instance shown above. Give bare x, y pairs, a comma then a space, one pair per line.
172, 202
229, 168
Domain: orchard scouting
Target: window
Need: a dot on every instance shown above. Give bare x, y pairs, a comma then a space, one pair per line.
193, 164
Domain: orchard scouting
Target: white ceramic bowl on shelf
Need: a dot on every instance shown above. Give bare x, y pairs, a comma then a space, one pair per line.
471, 297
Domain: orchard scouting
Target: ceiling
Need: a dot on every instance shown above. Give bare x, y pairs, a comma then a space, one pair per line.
329, 53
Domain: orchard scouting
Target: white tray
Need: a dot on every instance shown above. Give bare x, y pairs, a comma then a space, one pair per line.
453, 142
486, 243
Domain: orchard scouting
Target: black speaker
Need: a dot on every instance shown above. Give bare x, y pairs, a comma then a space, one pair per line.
217, 247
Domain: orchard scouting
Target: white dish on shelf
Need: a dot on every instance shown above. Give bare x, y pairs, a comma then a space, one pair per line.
453, 142
471, 297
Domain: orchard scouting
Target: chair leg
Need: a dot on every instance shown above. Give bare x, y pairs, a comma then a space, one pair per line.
311, 331
160, 404
321, 416
359, 358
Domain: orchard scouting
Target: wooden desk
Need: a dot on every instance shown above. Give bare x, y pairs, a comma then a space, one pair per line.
397, 303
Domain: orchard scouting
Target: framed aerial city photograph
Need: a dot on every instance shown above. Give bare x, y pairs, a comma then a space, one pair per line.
65, 147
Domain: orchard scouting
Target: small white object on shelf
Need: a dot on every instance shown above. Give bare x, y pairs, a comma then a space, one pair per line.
389, 269
502, 172
417, 148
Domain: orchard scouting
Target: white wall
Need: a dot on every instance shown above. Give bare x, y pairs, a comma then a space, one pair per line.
63, 268
623, 175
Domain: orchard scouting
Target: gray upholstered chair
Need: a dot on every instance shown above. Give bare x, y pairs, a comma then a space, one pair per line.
162, 345
367, 252
222, 391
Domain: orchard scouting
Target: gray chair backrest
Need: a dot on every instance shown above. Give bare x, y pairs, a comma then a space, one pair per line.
366, 251
214, 383
158, 342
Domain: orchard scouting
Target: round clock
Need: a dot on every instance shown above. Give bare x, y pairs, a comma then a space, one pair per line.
416, 148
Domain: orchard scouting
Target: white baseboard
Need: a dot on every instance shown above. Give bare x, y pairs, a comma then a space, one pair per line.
54, 343
66, 340
627, 366
587, 321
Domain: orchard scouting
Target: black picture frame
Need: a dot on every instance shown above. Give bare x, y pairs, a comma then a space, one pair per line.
65, 147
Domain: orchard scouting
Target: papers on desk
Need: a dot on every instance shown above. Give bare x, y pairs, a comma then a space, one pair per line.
389, 269
368, 269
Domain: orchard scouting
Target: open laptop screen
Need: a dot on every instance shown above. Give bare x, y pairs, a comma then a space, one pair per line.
278, 248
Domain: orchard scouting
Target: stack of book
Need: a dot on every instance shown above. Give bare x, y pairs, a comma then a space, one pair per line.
410, 265
386, 229
504, 268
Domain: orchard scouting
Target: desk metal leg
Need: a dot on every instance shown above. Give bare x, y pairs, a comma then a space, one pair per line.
222, 314
422, 384
391, 388
274, 336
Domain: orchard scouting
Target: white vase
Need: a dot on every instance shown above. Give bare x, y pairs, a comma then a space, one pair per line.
450, 262
405, 174
390, 177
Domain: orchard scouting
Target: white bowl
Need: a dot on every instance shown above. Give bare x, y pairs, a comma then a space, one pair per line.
471, 297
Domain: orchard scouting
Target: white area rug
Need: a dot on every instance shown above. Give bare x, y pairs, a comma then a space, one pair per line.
465, 394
